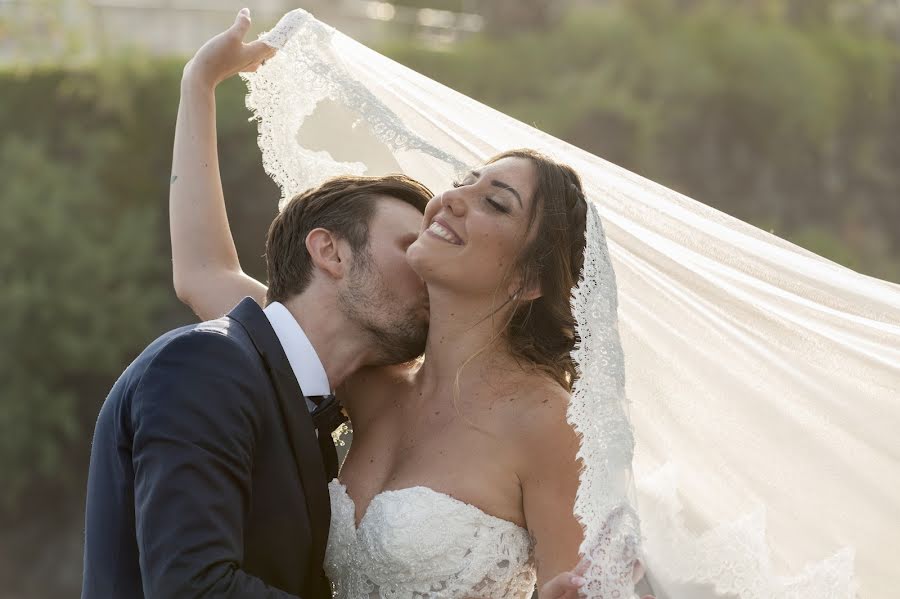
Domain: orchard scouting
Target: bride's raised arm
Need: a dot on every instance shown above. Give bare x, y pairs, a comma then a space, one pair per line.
206, 271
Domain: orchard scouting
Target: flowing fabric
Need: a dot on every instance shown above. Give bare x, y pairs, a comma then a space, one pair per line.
762, 380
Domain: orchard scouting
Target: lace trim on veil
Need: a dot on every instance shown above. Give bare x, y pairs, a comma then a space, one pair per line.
306, 71
597, 412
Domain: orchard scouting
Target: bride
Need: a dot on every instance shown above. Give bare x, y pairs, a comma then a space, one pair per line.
462, 476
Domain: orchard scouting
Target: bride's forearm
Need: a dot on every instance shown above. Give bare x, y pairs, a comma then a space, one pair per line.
206, 270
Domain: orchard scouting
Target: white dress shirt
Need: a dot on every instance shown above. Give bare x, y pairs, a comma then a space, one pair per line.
301, 354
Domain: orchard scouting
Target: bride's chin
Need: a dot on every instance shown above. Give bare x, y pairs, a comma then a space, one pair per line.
418, 258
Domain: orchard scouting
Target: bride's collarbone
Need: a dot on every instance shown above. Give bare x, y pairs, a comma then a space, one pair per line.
456, 460
466, 447
443, 431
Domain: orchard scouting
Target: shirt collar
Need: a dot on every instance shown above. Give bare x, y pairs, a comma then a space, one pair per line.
300, 352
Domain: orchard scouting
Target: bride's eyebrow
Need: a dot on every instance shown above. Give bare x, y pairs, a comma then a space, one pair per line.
500, 184
508, 188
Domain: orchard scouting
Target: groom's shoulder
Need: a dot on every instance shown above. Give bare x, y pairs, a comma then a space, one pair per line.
223, 341
222, 334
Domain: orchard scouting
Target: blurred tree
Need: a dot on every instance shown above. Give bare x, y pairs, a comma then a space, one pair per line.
46, 31
85, 259
507, 17
75, 267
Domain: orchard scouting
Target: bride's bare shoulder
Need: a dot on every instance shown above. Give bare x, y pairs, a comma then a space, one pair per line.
537, 414
370, 388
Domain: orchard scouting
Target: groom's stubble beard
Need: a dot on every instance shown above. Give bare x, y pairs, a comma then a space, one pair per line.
398, 333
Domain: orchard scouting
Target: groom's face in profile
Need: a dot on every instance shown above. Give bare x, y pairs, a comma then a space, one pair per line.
382, 293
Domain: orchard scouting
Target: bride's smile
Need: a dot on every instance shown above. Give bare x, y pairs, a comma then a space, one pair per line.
440, 229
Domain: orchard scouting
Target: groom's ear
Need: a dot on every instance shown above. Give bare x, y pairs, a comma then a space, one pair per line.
328, 253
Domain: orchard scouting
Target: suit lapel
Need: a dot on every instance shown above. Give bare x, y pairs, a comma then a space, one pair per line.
297, 421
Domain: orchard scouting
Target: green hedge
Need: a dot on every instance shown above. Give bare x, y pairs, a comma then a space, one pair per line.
84, 162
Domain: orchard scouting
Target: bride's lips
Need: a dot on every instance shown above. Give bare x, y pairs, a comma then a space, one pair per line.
443, 231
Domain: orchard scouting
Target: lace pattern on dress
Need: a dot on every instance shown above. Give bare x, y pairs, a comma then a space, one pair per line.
417, 543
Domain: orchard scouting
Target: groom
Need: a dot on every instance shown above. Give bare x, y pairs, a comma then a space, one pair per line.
212, 452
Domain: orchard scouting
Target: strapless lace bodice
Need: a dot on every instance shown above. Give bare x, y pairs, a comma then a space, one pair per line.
419, 543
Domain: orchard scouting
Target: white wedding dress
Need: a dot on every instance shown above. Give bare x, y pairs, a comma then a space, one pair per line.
752, 387
417, 543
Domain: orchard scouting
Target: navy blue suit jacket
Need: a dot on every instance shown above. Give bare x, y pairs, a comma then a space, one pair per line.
206, 478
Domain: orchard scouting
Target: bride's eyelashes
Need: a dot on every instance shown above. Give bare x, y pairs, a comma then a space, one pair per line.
491, 201
497, 206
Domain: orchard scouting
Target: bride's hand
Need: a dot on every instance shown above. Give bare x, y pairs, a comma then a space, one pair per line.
567, 585
226, 54
562, 586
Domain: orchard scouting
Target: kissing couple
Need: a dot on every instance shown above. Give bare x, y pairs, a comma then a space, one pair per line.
441, 325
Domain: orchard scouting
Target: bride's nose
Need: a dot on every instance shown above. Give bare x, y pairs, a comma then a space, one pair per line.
453, 201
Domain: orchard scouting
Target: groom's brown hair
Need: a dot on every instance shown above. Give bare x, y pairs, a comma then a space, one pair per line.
343, 205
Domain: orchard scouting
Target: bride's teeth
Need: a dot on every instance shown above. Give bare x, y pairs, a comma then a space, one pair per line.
442, 232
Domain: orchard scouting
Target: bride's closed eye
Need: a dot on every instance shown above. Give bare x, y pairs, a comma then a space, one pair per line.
491, 201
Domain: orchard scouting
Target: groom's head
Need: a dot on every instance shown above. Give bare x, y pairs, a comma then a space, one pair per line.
347, 239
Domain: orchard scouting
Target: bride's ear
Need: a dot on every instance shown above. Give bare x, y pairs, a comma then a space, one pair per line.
525, 287
328, 253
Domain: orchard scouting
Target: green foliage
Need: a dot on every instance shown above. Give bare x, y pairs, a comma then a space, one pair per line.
73, 266
85, 162
76, 260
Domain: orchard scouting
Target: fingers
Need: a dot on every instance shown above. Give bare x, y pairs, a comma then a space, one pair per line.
638, 571
562, 586
241, 23
582, 566
258, 58
260, 50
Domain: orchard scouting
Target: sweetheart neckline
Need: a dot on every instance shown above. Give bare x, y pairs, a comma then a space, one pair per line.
357, 527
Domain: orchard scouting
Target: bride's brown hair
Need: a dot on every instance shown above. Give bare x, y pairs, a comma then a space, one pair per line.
542, 331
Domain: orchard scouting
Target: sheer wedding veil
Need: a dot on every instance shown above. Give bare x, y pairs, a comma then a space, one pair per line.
762, 379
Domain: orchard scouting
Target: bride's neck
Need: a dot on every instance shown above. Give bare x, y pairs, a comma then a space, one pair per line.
463, 331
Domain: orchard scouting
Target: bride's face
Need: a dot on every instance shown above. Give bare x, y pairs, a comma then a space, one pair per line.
472, 234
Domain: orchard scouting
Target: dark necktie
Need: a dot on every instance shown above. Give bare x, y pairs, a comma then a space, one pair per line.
327, 416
